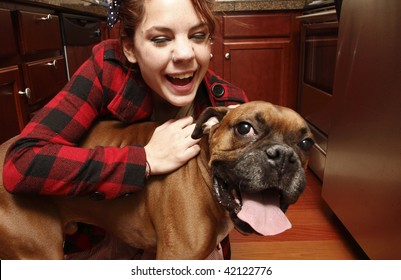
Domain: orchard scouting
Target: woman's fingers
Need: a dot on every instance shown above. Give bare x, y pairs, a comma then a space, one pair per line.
171, 145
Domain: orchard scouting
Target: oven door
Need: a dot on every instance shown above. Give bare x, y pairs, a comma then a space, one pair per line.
320, 47
319, 33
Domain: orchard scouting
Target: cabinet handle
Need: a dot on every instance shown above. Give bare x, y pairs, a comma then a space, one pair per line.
227, 56
46, 18
97, 32
53, 63
26, 92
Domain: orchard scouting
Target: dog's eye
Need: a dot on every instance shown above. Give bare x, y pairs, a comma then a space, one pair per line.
306, 144
244, 128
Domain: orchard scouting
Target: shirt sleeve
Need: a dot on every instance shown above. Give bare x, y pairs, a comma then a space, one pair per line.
46, 158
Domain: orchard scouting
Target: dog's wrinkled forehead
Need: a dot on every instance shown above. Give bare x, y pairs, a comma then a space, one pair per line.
267, 121
265, 114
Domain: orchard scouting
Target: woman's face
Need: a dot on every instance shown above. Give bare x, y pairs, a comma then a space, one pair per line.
172, 49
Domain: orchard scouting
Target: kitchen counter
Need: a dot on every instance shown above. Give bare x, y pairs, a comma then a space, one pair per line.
220, 5
257, 5
73, 6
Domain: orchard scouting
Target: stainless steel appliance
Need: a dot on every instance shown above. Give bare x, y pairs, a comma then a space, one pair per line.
80, 34
362, 180
319, 33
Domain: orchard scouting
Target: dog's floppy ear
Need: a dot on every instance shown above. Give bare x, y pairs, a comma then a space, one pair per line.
208, 118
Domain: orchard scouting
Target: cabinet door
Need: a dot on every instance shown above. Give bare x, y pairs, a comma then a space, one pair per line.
12, 118
8, 46
260, 68
45, 78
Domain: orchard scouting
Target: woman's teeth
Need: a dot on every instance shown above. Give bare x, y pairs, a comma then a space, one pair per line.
180, 79
182, 76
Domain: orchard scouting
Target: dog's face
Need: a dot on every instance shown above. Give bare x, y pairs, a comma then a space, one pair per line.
258, 156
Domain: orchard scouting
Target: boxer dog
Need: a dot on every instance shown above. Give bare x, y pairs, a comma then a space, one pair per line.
250, 169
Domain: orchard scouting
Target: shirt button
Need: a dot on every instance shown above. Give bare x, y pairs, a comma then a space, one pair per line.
218, 90
125, 195
97, 196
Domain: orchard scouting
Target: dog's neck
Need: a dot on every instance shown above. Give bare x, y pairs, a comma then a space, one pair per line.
203, 160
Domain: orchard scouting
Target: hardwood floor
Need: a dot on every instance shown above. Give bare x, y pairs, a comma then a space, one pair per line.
316, 234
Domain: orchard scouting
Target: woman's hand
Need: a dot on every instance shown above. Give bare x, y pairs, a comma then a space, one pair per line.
171, 146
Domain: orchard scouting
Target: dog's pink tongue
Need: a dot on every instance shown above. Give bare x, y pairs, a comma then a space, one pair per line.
263, 214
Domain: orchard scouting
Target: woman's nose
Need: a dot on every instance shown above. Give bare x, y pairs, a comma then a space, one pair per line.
183, 50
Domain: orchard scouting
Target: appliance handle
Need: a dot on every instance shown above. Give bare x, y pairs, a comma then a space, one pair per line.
318, 14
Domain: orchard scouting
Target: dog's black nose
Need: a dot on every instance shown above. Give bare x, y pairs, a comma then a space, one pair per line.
279, 156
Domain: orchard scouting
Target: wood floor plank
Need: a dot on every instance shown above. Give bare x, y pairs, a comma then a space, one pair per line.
293, 250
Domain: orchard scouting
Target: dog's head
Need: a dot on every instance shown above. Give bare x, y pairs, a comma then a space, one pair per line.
258, 156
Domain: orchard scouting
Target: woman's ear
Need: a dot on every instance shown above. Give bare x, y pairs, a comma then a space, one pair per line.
129, 53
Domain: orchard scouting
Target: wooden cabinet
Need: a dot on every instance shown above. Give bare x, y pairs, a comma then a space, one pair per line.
42, 62
36, 76
259, 53
10, 82
39, 32
32, 65
8, 43
259, 68
12, 116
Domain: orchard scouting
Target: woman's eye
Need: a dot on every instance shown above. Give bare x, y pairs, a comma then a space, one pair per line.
244, 129
160, 40
199, 37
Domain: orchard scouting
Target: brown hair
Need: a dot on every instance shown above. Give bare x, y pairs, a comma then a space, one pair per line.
131, 14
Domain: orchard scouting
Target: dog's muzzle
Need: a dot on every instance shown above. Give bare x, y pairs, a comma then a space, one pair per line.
257, 188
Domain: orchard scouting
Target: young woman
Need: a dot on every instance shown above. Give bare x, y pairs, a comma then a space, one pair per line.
158, 70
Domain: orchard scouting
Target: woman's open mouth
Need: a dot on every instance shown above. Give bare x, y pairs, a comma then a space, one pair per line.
180, 79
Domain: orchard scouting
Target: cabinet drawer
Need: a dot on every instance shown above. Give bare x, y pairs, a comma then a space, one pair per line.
8, 46
256, 26
45, 78
39, 32
316, 106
